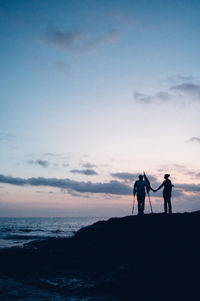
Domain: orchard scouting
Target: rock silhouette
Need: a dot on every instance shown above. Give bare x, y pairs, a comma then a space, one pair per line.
151, 257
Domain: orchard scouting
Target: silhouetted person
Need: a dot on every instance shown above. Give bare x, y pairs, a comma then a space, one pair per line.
139, 189
167, 193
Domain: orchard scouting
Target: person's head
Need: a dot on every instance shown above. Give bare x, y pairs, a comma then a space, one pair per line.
166, 176
140, 177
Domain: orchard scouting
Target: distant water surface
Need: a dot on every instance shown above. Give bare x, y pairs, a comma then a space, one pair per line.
18, 231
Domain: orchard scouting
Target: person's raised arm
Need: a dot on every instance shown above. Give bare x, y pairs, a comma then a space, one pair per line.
148, 186
160, 186
154, 190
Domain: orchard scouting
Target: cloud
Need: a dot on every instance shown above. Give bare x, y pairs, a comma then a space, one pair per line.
184, 78
76, 194
145, 98
174, 80
126, 176
88, 165
42, 163
49, 192
78, 40
129, 177
50, 154
188, 187
182, 92
62, 39
59, 156
88, 172
195, 139
112, 187
12, 180
65, 165
108, 188
189, 88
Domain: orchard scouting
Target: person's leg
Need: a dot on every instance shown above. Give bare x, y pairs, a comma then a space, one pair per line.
165, 203
138, 207
138, 199
142, 203
169, 204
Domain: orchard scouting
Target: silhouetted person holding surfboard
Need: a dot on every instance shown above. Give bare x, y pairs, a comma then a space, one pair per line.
167, 193
139, 188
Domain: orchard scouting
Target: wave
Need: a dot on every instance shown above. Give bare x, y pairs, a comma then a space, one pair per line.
57, 231
24, 230
7, 230
30, 230
23, 237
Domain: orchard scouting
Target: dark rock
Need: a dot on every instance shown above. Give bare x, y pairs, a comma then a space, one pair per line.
150, 257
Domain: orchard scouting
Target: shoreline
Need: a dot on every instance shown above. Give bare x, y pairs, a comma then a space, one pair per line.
113, 258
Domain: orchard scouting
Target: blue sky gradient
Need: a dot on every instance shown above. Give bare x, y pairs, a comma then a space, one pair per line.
105, 86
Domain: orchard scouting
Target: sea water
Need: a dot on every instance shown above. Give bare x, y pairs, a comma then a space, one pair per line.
18, 231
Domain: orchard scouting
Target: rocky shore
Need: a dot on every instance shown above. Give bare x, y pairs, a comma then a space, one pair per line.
154, 257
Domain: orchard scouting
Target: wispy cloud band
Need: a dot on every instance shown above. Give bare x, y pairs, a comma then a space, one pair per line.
87, 172
195, 139
79, 41
182, 92
112, 187
42, 163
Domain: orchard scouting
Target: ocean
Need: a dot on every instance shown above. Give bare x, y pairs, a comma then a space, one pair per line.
19, 231
42, 287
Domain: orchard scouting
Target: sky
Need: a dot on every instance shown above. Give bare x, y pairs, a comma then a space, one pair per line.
93, 93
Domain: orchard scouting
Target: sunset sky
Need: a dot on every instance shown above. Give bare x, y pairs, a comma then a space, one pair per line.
93, 93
